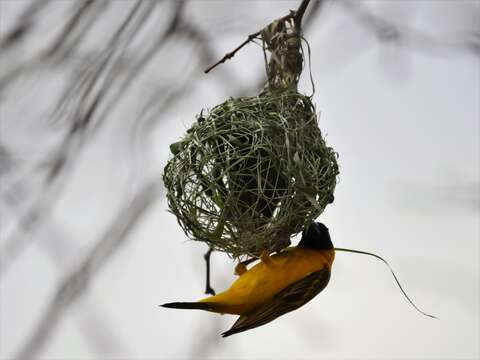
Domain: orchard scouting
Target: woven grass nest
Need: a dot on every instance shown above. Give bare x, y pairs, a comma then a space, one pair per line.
251, 173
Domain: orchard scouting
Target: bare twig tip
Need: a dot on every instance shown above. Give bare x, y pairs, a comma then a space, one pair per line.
295, 15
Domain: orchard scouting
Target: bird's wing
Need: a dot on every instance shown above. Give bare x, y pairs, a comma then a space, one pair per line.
289, 299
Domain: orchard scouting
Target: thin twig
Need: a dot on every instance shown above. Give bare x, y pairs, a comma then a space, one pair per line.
297, 18
232, 53
295, 15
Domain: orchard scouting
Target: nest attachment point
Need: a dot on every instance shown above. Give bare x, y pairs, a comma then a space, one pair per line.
251, 173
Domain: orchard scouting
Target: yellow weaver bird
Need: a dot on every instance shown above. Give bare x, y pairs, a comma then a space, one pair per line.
276, 285
280, 283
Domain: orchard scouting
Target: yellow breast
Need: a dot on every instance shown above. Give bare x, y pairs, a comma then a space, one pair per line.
263, 281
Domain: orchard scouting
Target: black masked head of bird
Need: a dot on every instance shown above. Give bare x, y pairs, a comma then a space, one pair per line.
317, 237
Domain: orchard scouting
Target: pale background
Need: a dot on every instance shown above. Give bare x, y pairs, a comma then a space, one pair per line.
400, 105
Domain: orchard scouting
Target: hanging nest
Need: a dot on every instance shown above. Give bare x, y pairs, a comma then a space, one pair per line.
254, 171
251, 173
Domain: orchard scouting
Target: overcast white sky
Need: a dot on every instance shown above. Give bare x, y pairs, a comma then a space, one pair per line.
406, 125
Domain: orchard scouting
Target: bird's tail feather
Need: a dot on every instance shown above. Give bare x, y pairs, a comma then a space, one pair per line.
189, 305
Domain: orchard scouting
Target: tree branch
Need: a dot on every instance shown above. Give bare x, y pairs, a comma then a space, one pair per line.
297, 18
295, 15
232, 53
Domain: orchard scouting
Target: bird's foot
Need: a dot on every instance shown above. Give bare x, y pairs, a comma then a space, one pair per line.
210, 291
265, 258
240, 269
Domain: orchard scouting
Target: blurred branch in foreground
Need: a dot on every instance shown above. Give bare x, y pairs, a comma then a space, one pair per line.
23, 25
401, 35
78, 281
92, 320
83, 108
60, 246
